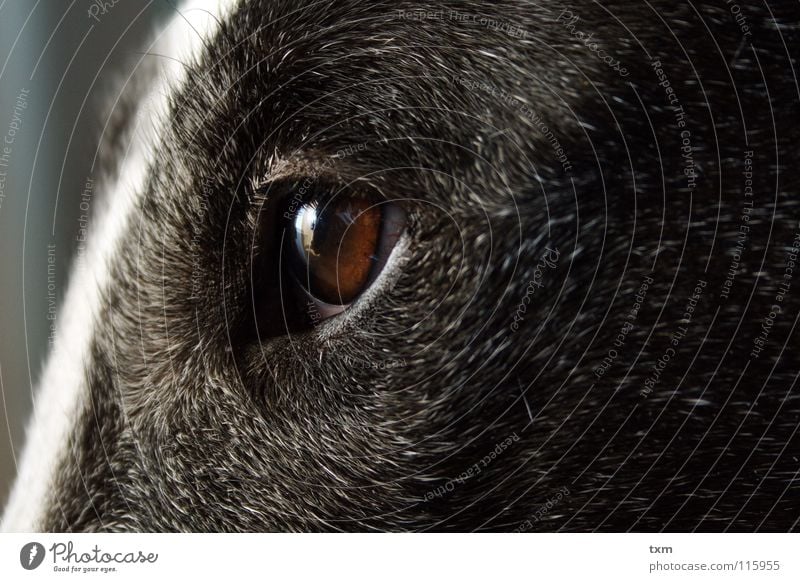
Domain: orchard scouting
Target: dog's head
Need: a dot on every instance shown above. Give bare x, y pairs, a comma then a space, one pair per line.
405, 266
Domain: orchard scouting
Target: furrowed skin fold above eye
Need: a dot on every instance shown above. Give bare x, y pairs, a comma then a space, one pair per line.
372, 266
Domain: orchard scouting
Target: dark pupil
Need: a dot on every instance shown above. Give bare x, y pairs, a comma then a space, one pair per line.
337, 245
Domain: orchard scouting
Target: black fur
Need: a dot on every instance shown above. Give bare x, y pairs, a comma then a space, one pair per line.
195, 424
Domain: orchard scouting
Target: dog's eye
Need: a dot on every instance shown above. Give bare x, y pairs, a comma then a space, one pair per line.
336, 246
317, 252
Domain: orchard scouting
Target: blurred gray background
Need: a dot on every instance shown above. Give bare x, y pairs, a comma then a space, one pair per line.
64, 62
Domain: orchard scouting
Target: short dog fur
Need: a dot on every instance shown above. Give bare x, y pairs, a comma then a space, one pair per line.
582, 396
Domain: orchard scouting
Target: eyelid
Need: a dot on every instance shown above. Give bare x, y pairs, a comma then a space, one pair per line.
384, 281
325, 310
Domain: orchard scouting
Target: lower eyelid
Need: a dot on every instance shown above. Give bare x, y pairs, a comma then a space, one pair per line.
382, 284
324, 310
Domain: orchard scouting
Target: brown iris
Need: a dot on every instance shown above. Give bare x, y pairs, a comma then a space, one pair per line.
337, 244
